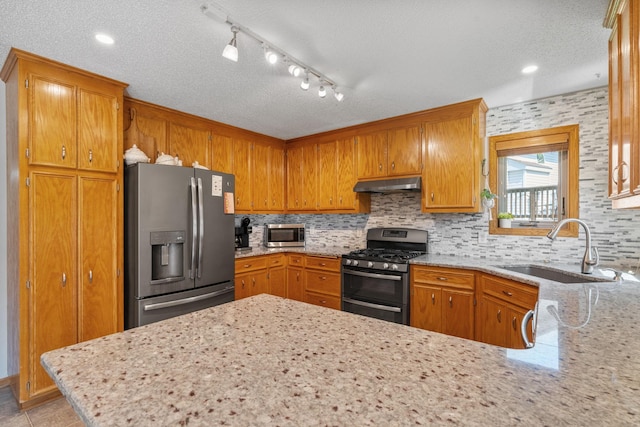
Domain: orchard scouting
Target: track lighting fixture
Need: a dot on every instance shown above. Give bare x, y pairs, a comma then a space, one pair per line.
272, 53
304, 85
294, 70
231, 50
338, 95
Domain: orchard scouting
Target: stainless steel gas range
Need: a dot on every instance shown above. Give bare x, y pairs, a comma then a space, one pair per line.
375, 280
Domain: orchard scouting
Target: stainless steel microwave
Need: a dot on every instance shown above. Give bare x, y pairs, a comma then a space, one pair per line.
283, 235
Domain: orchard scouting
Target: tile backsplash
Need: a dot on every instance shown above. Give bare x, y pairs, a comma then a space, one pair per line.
616, 233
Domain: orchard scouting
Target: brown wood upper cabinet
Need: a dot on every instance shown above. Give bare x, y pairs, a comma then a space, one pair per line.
395, 152
190, 144
454, 138
623, 17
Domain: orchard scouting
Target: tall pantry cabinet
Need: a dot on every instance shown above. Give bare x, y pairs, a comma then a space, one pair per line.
64, 209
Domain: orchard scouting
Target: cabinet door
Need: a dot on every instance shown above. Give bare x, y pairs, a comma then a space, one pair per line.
371, 155
328, 176
98, 253
52, 122
294, 178
405, 151
98, 135
53, 255
310, 177
242, 171
222, 154
494, 322
189, 144
147, 132
346, 173
260, 177
276, 178
426, 308
260, 282
278, 282
450, 169
457, 313
243, 285
516, 314
295, 284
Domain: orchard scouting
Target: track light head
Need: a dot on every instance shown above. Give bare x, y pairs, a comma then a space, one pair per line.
322, 92
270, 55
304, 85
295, 70
231, 50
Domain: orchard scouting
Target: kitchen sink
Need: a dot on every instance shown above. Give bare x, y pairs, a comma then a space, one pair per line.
555, 275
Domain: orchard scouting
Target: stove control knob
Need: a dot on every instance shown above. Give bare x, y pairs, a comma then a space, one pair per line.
394, 266
385, 265
355, 262
348, 262
370, 264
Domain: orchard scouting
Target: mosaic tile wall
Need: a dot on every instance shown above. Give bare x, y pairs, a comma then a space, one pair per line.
615, 233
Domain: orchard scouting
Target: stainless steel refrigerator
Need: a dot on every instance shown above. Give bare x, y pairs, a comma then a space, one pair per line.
179, 241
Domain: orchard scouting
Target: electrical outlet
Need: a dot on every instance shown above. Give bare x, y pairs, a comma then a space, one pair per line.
482, 237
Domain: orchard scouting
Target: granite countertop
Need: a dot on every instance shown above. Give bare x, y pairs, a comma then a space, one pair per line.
266, 360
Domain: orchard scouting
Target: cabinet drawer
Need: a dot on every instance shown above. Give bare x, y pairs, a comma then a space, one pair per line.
250, 264
443, 277
322, 300
275, 260
296, 260
516, 293
324, 263
321, 281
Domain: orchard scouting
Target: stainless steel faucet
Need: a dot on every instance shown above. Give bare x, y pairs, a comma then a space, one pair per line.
588, 261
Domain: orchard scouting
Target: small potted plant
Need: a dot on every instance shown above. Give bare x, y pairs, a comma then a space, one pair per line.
504, 219
487, 198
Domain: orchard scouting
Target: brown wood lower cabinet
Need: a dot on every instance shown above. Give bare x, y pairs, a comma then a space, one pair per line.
442, 300
502, 304
295, 277
322, 281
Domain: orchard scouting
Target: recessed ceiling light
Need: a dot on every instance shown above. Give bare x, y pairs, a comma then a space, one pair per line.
103, 38
529, 69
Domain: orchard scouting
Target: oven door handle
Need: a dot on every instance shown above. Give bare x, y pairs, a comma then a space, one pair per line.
372, 275
375, 306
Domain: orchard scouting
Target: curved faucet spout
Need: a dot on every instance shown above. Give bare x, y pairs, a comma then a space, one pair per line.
589, 260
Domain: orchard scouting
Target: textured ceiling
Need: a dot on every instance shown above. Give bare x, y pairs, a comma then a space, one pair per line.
388, 57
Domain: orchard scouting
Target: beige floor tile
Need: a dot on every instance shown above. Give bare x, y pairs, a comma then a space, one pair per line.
57, 413
10, 416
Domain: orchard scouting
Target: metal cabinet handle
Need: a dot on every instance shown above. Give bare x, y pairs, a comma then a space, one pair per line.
253, 279
322, 264
64, 280
330, 200
444, 279
523, 328
90, 276
393, 165
297, 277
433, 298
64, 152
507, 293
450, 301
624, 176
380, 166
514, 323
614, 174
499, 316
90, 156
323, 277
432, 197
246, 266
242, 283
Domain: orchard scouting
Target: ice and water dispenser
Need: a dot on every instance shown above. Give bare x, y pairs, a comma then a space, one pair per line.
167, 256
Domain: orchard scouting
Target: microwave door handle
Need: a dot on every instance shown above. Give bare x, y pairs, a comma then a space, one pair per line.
194, 227
370, 305
372, 275
200, 226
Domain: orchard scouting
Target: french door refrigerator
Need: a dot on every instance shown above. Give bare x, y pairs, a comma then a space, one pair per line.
179, 241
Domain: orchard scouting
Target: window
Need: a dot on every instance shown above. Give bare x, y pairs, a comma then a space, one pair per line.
535, 177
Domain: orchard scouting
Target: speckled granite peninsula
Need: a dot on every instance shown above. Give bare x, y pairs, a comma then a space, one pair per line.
270, 361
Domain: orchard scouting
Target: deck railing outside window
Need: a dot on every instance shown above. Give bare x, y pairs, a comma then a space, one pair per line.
533, 204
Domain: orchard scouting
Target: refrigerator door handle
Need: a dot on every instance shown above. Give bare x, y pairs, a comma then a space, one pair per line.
200, 225
194, 227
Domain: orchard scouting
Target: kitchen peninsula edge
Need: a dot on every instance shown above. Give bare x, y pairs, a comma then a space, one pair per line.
266, 360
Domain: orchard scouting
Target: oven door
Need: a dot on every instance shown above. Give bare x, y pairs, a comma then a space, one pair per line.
383, 295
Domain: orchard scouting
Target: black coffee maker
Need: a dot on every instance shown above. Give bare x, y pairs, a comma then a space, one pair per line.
242, 235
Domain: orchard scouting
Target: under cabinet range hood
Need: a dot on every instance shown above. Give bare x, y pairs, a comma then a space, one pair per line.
395, 185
